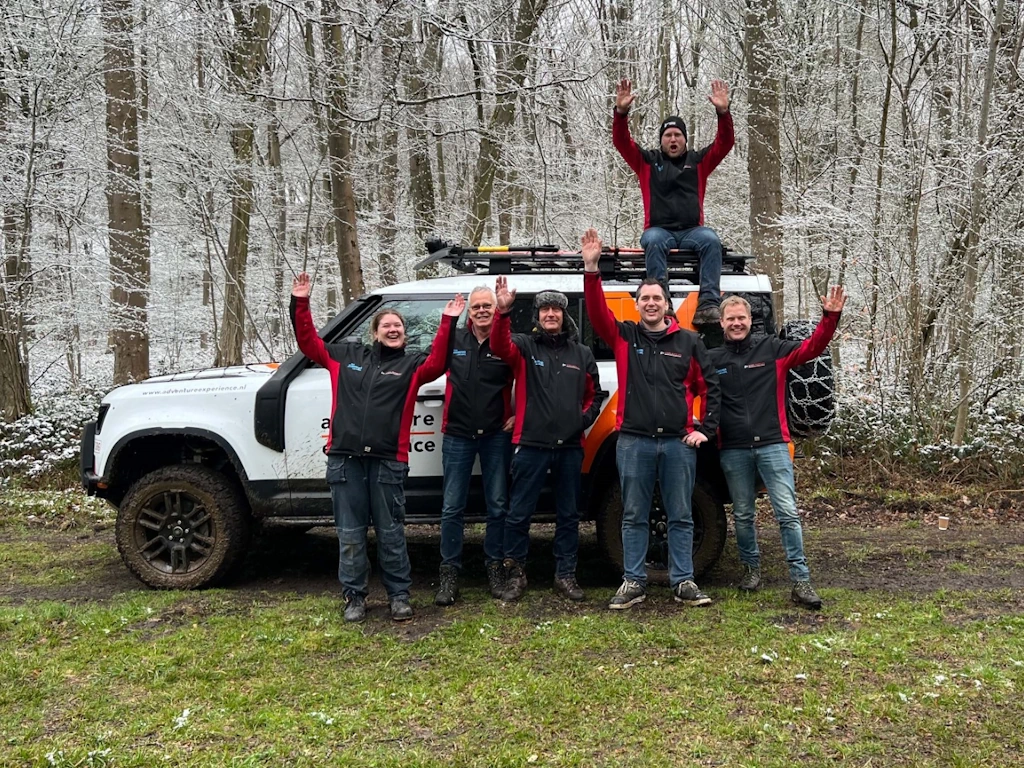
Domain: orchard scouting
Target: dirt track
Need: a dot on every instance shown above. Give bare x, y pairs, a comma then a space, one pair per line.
899, 557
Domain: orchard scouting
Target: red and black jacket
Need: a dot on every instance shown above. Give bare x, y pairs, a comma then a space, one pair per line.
659, 377
478, 397
558, 390
376, 387
752, 375
673, 190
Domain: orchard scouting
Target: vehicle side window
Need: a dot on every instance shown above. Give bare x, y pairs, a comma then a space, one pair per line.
422, 316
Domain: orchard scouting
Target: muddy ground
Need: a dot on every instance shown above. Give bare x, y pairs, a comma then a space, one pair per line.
859, 548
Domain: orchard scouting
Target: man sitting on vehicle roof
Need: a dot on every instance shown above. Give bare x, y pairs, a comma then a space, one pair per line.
672, 182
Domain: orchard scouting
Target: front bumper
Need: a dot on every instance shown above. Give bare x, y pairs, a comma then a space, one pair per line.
87, 460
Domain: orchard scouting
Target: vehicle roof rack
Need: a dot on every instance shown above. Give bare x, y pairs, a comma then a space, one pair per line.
621, 264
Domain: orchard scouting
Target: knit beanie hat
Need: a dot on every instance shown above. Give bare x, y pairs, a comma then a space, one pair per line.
672, 121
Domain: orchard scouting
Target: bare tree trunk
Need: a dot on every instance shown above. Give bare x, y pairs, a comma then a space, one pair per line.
876, 218
15, 396
279, 202
387, 179
764, 166
339, 150
421, 178
508, 82
964, 344
129, 236
246, 62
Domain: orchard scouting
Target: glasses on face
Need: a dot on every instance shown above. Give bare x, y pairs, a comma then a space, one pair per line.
480, 307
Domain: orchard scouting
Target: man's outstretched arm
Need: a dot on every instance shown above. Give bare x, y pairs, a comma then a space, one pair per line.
621, 138
725, 137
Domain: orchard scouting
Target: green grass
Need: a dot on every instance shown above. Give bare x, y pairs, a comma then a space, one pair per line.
171, 678
240, 677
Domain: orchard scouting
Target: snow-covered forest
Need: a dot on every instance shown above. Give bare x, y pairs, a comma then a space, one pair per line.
168, 165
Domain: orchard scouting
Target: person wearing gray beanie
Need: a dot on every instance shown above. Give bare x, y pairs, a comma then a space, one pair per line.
558, 396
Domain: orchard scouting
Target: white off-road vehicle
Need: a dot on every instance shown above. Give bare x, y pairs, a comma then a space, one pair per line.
195, 461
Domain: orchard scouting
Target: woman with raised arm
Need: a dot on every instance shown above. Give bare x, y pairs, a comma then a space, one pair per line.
373, 389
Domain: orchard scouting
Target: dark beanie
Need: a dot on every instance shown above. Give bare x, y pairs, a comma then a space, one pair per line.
672, 121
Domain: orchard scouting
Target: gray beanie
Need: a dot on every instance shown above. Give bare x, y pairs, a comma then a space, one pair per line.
550, 299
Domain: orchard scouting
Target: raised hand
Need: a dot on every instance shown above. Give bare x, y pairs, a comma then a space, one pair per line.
591, 249
504, 296
300, 286
719, 95
836, 299
624, 96
454, 307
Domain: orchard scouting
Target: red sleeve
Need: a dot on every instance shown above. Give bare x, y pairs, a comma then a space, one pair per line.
815, 345
310, 343
720, 147
501, 341
597, 309
623, 141
702, 381
593, 395
440, 352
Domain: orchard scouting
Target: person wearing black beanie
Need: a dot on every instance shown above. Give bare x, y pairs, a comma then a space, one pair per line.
672, 181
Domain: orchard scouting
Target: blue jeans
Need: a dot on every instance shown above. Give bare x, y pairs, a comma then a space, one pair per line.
365, 490
457, 457
673, 464
529, 468
657, 242
773, 463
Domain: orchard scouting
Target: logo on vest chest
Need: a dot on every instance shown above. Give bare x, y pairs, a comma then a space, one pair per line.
754, 365
570, 365
354, 367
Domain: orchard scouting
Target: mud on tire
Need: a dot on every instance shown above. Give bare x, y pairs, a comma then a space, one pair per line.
183, 527
709, 532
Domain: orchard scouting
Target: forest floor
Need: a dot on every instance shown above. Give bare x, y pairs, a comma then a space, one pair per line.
917, 657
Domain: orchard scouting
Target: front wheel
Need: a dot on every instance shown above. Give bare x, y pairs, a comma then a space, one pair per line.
182, 527
709, 532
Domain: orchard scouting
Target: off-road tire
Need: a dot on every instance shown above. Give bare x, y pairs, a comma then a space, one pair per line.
709, 531
191, 521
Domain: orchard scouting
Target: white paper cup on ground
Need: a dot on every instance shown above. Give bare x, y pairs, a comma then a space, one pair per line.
943, 522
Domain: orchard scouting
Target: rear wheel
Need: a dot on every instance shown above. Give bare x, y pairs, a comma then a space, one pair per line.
709, 532
182, 527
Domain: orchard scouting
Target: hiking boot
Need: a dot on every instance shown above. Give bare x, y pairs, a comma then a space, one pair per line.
448, 586
400, 609
496, 578
804, 594
706, 314
515, 581
355, 608
751, 578
688, 593
567, 586
628, 595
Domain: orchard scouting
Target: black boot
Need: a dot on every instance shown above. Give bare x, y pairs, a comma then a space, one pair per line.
448, 586
496, 578
515, 581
